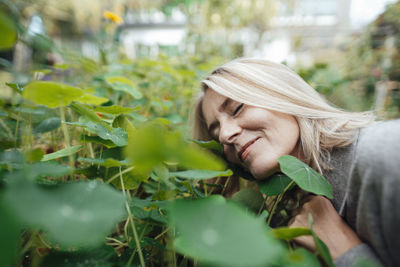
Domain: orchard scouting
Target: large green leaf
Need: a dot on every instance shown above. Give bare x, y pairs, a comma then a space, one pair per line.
51, 94
201, 174
304, 176
73, 215
214, 231
47, 125
322, 249
287, 234
8, 32
125, 85
152, 144
62, 153
275, 185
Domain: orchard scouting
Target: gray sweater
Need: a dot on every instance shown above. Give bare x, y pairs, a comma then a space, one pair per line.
366, 189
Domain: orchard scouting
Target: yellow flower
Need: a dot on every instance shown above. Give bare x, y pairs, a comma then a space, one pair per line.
113, 17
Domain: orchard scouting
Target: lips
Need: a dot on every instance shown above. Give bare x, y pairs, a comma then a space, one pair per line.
244, 151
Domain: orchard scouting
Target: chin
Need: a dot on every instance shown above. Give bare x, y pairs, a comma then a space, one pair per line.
263, 173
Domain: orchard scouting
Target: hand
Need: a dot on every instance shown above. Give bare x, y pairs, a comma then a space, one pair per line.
328, 226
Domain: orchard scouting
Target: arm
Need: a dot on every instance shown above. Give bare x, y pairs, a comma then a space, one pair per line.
344, 245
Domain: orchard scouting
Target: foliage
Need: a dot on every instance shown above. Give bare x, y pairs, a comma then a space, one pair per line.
95, 168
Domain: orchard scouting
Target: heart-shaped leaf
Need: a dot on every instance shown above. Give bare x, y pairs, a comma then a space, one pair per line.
51, 94
214, 231
304, 176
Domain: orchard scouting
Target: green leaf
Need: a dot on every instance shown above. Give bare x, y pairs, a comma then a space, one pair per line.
275, 185
213, 145
304, 176
300, 257
125, 85
9, 236
50, 169
250, 198
322, 249
117, 135
89, 115
97, 140
152, 144
108, 163
214, 231
34, 155
73, 215
51, 94
62, 153
200, 174
115, 110
16, 87
8, 32
287, 234
47, 125
92, 100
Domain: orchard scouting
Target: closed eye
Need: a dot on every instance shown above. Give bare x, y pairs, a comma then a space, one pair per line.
238, 109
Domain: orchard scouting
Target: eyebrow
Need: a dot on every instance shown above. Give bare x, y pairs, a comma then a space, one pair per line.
222, 107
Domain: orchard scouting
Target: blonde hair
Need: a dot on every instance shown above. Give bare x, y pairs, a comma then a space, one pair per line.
274, 86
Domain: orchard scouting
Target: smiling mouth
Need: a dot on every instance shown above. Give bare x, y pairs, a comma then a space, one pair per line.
243, 152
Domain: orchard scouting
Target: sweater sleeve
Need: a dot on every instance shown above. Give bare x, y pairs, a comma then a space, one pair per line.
373, 202
361, 255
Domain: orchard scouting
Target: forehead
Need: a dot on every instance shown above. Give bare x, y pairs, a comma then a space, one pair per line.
211, 105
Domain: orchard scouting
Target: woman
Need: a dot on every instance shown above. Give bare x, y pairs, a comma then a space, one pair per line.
260, 110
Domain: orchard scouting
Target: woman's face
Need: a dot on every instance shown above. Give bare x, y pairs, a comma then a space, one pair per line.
252, 137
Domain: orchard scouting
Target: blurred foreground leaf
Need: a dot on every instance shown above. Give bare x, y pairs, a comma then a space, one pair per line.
152, 144
8, 32
9, 237
214, 231
73, 215
287, 234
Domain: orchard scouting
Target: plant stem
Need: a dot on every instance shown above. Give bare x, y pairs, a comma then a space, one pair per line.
130, 216
278, 199
66, 135
17, 125
118, 174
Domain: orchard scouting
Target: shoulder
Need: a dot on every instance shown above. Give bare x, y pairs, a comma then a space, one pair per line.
379, 143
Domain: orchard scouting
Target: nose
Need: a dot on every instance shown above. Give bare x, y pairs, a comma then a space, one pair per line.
229, 131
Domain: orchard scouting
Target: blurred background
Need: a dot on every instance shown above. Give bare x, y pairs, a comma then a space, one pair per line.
346, 49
